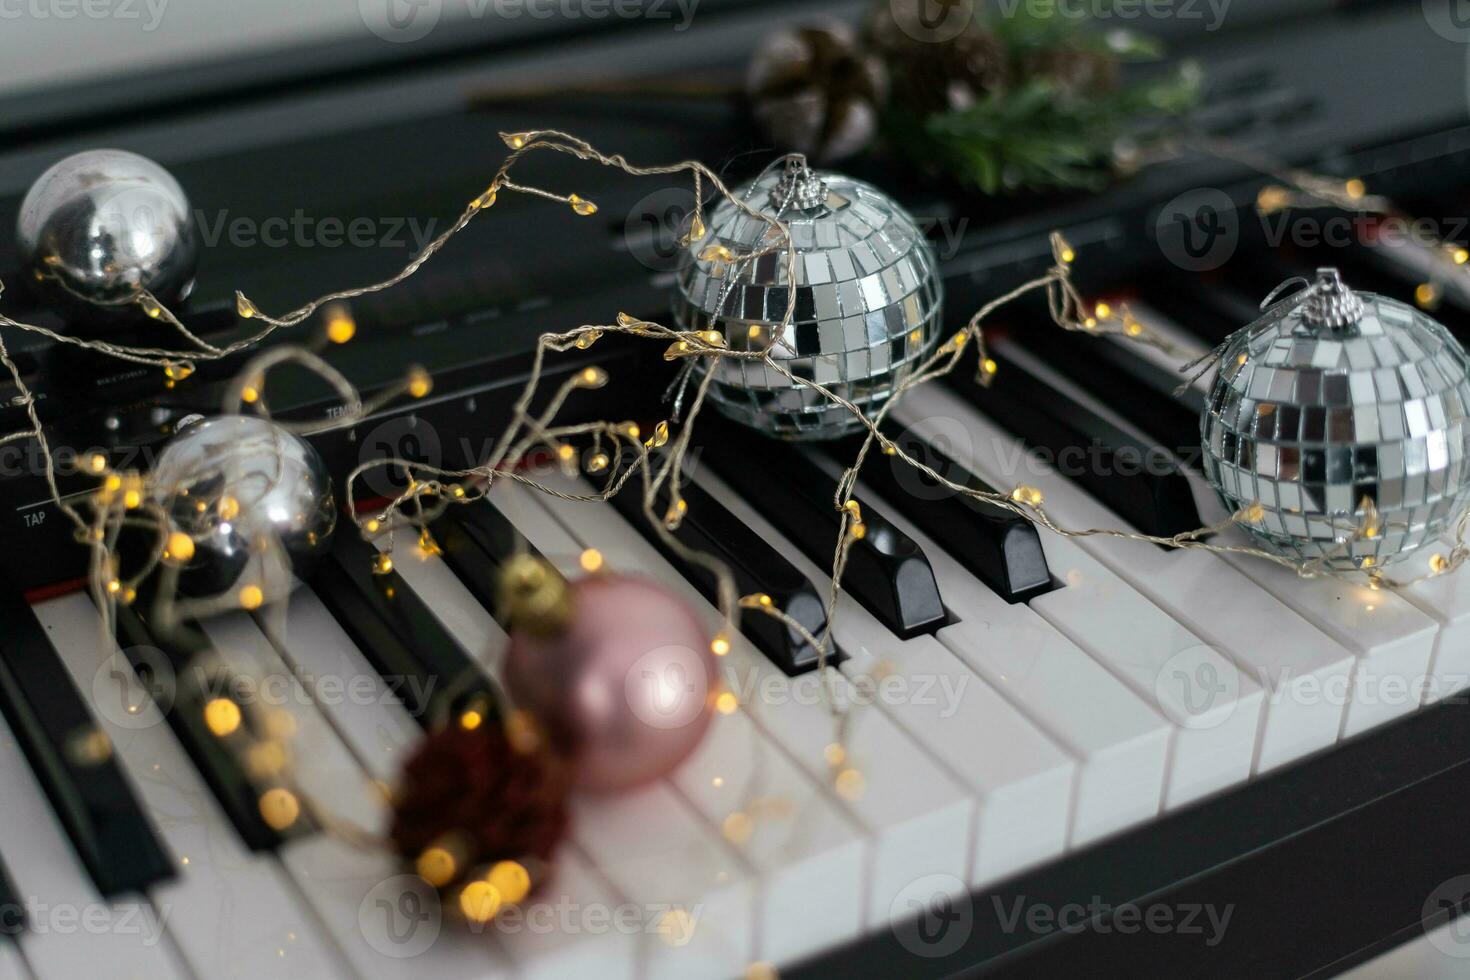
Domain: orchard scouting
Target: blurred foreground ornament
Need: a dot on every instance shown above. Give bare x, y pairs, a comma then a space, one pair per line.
250, 503
480, 815
618, 671
102, 225
815, 91
1337, 427
867, 300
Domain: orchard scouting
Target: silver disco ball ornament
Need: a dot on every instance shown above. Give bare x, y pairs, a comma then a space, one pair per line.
868, 300
1337, 428
101, 225
256, 500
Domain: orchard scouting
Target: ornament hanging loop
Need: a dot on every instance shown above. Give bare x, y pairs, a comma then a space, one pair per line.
1330, 304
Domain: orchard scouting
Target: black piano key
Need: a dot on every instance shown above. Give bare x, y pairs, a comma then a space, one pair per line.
997, 546
1209, 308
1115, 374
476, 541
12, 910
709, 527
421, 663
72, 758
1142, 483
175, 667
886, 569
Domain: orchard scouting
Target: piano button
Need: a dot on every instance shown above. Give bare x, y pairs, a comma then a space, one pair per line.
1137, 479
919, 817
885, 570
1161, 660
1121, 744
756, 566
72, 758
233, 911
809, 856
371, 721
123, 937
1208, 308
1390, 640
189, 669
427, 670
1024, 793
998, 546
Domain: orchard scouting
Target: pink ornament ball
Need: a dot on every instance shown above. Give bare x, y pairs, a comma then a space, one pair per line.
627, 689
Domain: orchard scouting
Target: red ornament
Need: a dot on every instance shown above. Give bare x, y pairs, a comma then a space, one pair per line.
470, 798
621, 676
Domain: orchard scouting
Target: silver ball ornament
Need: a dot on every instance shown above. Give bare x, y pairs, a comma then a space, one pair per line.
101, 225
1337, 428
868, 301
255, 498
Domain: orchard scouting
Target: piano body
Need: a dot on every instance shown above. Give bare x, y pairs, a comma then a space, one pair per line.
1106, 758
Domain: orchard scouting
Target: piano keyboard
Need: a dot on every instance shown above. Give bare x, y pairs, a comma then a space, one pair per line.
1014, 698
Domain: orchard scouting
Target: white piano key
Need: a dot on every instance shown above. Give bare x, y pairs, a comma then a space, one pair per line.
1160, 659
696, 895
1122, 744
587, 940
808, 855
71, 930
1024, 792
1446, 599
234, 912
322, 764
918, 814
388, 922
371, 720
1293, 660
12, 966
1390, 639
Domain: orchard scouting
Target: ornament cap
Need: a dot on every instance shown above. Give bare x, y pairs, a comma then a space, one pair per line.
800, 187
1331, 305
534, 596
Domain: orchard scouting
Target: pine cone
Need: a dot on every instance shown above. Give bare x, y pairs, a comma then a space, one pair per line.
937, 63
472, 788
815, 92
1075, 72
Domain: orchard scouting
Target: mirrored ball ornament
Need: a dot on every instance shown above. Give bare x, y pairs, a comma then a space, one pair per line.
868, 301
1337, 429
255, 498
100, 225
